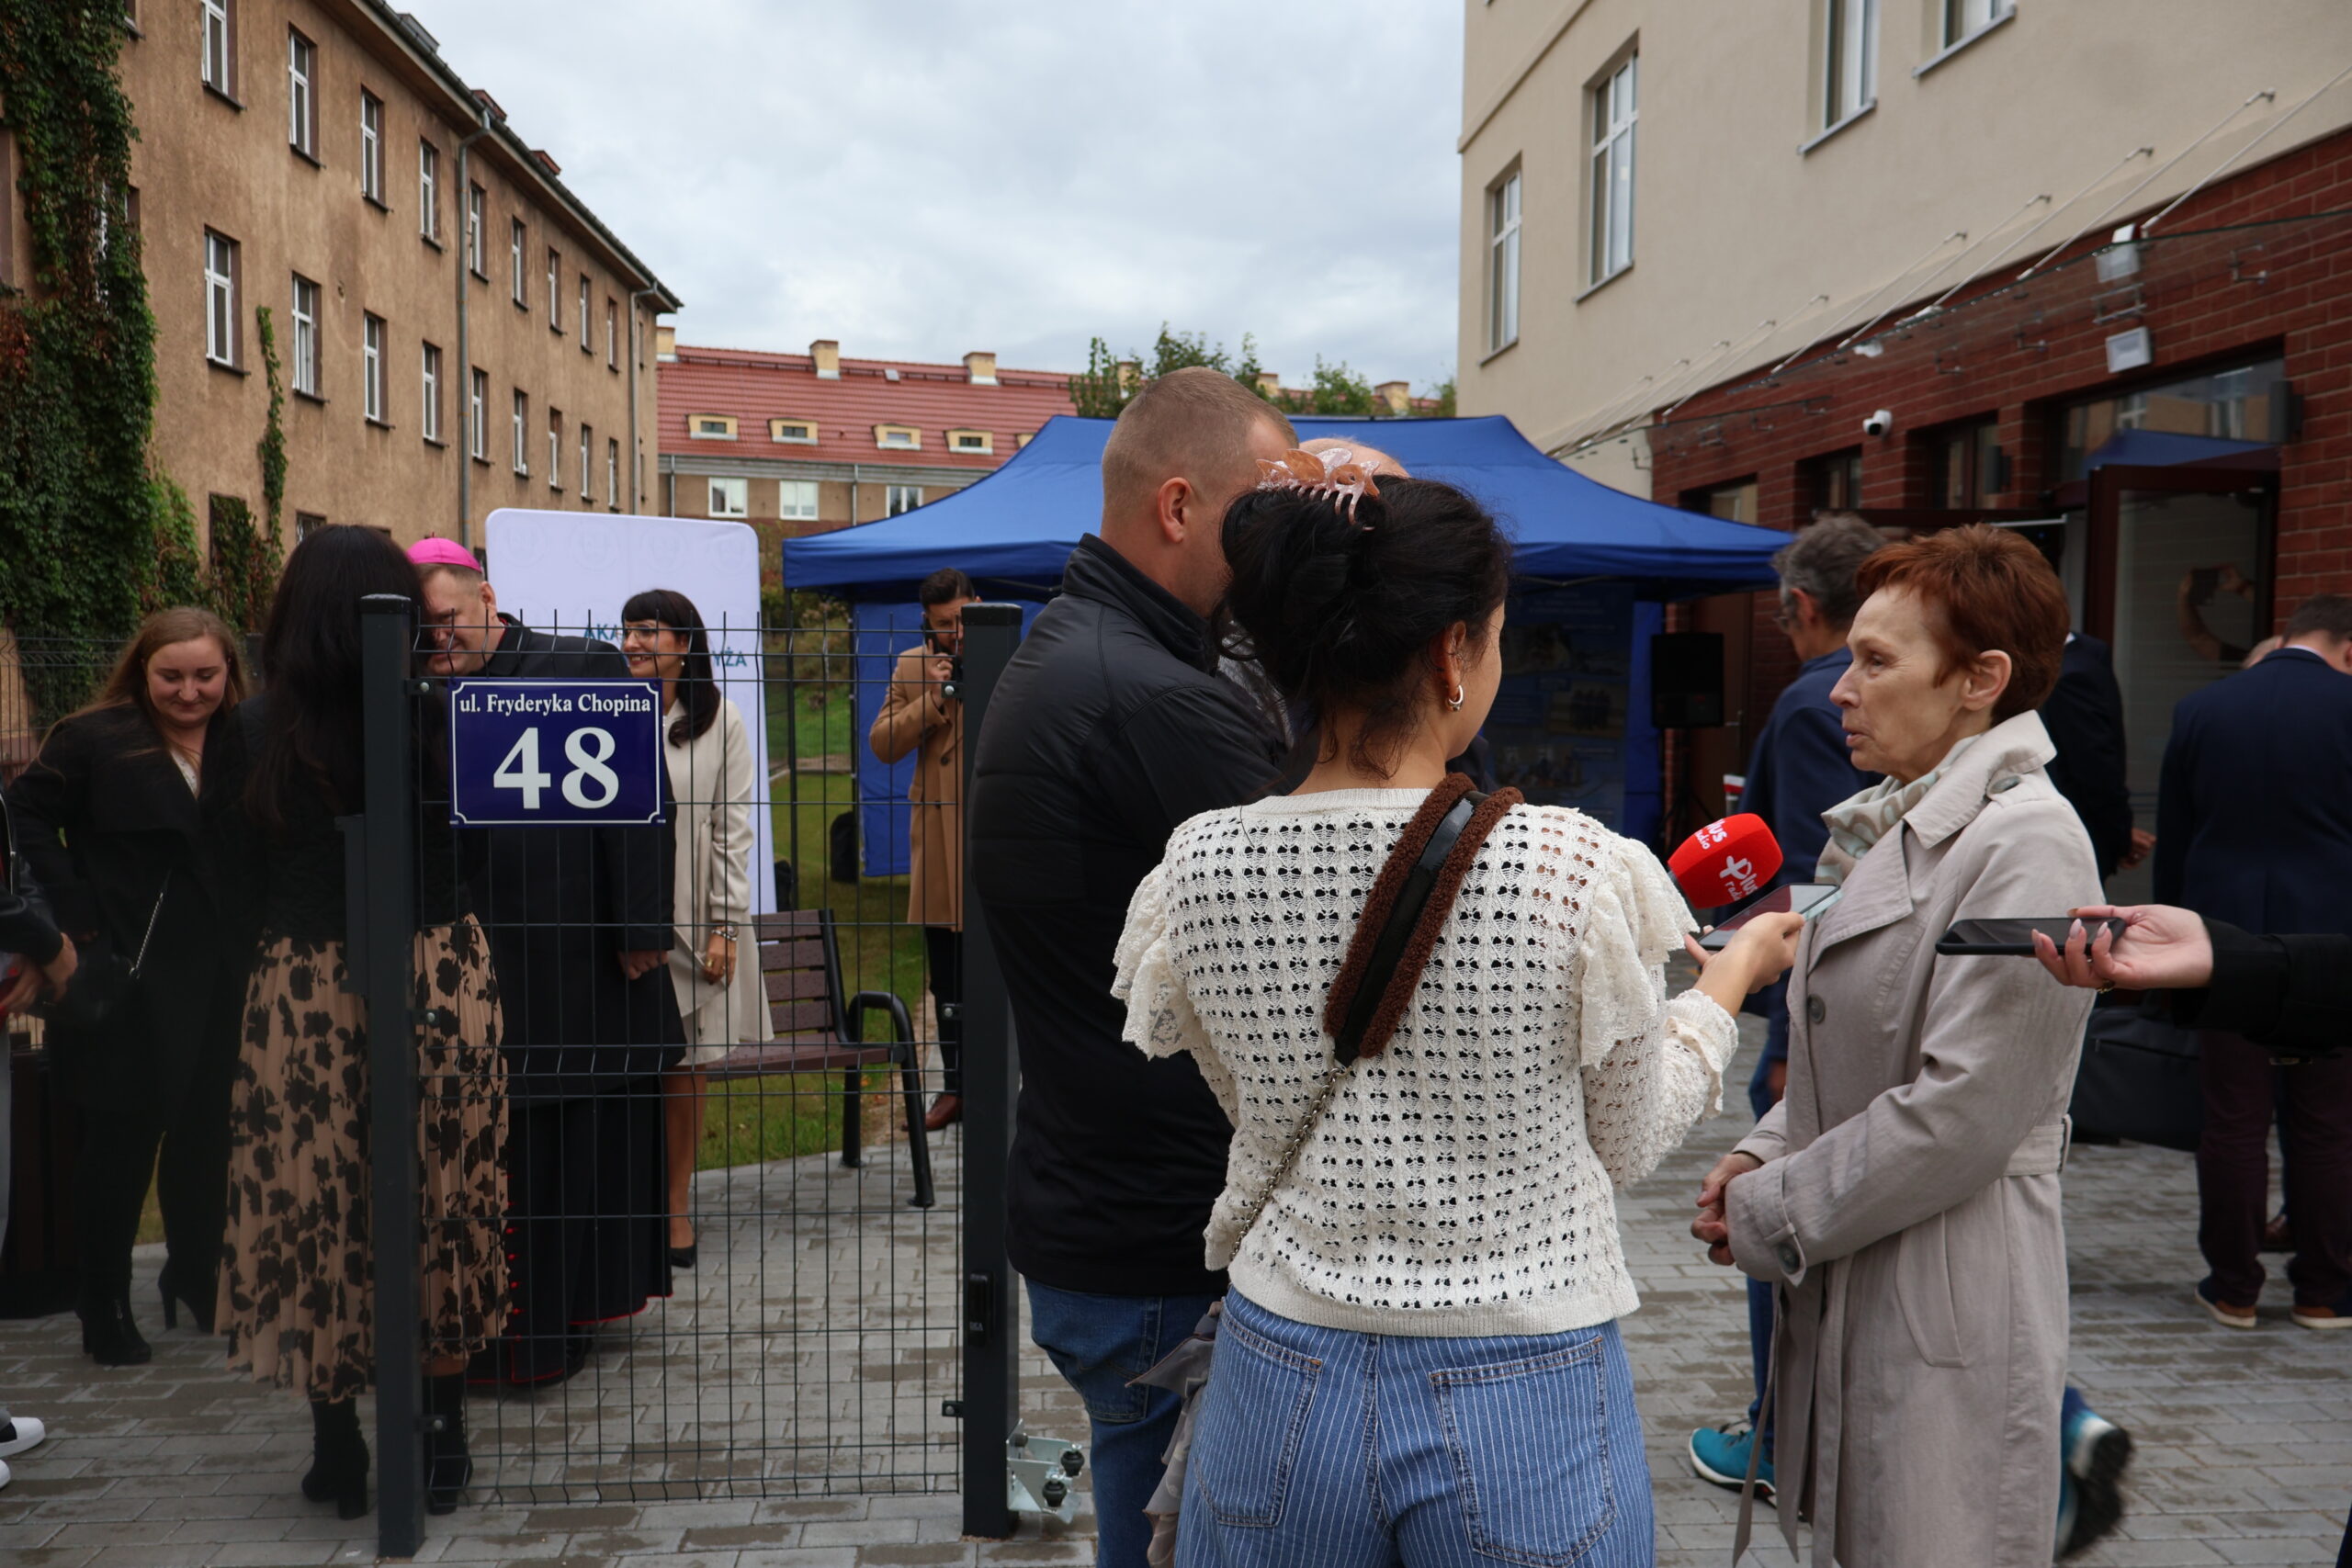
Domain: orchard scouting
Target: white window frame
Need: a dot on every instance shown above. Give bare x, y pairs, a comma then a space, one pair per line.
1956, 26
522, 433
587, 455
555, 449
302, 94
220, 324
1848, 60
805, 497
429, 392
219, 48
372, 367
613, 472
554, 289
518, 242
306, 356
371, 147
737, 494
428, 190
900, 499
1613, 113
477, 215
612, 335
1504, 207
897, 438
586, 313
478, 415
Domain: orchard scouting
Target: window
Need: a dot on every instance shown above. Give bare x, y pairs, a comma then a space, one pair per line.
555, 448
220, 47
586, 446
729, 498
221, 313
612, 335
1734, 502
1834, 484
2242, 402
555, 300
897, 498
612, 474
372, 148
797, 500
372, 367
1849, 62
584, 346
1612, 171
515, 249
711, 427
429, 191
301, 98
522, 431
1963, 465
898, 437
306, 336
1502, 263
794, 431
307, 524
1964, 19
974, 442
476, 261
478, 416
428, 415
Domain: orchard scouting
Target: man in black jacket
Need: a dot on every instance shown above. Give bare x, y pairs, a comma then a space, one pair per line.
2084, 714
579, 925
1110, 726
45, 962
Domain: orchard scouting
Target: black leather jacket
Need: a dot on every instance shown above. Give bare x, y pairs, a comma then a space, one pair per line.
26, 924
1109, 728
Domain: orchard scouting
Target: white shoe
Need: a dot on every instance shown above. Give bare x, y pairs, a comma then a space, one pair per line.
23, 1433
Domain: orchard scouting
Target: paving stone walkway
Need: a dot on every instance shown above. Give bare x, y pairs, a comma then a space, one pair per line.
783, 1410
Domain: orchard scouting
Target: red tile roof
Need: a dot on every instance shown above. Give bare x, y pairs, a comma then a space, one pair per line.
755, 388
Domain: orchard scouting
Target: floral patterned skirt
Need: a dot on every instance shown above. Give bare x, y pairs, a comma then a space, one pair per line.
296, 1294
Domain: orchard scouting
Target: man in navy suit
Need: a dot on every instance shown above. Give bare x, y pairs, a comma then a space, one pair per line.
2254, 825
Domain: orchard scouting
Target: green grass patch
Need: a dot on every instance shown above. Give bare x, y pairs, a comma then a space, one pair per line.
780, 1116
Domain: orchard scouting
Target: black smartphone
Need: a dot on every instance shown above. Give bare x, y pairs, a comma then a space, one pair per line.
2014, 939
1796, 898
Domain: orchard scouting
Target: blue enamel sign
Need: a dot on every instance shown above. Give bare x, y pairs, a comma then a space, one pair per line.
548, 752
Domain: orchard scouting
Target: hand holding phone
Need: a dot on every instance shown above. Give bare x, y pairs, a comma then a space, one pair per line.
2014, 938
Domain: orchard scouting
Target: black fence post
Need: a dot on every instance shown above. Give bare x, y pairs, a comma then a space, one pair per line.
381, 955
992, 1074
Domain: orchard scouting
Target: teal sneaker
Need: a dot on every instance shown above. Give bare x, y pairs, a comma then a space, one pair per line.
1720, 1454
2094, 1453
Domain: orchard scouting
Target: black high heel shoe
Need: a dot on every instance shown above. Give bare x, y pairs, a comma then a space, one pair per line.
110, 1334
338, 1470
447, 1465
199, 1304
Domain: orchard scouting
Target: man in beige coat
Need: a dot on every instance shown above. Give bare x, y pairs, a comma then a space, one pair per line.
1903, 1198
919, 714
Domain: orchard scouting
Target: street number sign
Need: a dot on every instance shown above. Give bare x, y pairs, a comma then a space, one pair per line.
525, 753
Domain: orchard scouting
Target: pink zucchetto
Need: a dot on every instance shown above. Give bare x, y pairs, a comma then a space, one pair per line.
439, 551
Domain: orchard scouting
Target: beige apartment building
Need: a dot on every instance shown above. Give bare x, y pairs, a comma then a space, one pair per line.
457, 332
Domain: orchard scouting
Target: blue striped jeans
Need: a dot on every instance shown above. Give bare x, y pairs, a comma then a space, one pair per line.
1323, 1448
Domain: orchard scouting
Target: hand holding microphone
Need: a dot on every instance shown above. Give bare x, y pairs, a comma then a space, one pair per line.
1721, 863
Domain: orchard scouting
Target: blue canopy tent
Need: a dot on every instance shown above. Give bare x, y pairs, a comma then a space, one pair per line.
1011, 531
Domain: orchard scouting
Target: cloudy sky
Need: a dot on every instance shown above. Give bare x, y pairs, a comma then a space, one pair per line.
918, 178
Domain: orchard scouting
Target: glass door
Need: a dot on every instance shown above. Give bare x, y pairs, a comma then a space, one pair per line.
2178, 584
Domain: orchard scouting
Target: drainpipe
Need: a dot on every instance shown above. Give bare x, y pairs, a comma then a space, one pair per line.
465, 366
635, 445
852, 495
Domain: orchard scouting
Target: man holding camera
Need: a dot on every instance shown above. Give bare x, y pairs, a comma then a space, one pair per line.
923, 713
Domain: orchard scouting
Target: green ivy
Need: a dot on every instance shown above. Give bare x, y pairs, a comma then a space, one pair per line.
80, 514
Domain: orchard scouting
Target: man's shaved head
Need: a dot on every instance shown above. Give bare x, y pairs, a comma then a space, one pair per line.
1185, 446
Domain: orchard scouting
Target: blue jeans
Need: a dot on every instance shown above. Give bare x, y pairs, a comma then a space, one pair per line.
1321, 1448
1099, 1344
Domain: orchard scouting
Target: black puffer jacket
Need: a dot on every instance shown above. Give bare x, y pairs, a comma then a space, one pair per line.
1108, 730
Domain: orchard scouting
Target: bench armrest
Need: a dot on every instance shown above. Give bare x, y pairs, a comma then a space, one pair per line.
857, 1006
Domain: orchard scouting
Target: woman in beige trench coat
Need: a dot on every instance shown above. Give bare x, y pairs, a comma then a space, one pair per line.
1904, 1197
919, 715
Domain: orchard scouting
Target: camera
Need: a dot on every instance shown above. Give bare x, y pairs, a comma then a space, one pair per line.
1878, 424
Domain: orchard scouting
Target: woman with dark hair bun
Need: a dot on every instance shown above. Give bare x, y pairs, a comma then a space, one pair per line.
1428, 1112
715, 787
296, 1297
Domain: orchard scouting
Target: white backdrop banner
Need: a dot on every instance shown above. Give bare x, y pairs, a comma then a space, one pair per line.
572, 571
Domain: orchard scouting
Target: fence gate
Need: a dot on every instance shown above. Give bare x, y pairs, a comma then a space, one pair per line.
844, 1320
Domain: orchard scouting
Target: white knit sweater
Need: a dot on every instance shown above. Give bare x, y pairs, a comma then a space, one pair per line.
1460, 1182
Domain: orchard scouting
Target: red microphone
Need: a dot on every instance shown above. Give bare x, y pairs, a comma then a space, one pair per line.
1725, 860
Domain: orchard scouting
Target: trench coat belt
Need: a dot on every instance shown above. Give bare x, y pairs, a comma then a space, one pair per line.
2044, 1152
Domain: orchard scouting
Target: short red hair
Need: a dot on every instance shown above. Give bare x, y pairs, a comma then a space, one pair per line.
1985, 589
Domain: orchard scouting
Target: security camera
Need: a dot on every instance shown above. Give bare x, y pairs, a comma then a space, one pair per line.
1878, 424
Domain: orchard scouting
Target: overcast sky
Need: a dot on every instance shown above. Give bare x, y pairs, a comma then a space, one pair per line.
919, 179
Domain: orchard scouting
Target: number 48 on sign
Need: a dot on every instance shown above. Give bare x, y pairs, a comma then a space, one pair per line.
527, 752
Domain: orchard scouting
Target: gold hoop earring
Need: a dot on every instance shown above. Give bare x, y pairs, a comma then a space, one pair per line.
1454, 702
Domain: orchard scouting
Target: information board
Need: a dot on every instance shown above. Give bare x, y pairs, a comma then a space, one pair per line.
525, 753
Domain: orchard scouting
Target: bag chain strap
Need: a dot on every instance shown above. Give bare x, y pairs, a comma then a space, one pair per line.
140, 962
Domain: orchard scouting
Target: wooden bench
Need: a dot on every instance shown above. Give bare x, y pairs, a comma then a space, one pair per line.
818, 1030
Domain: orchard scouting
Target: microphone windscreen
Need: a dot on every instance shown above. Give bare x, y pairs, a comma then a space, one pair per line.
1725, 860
